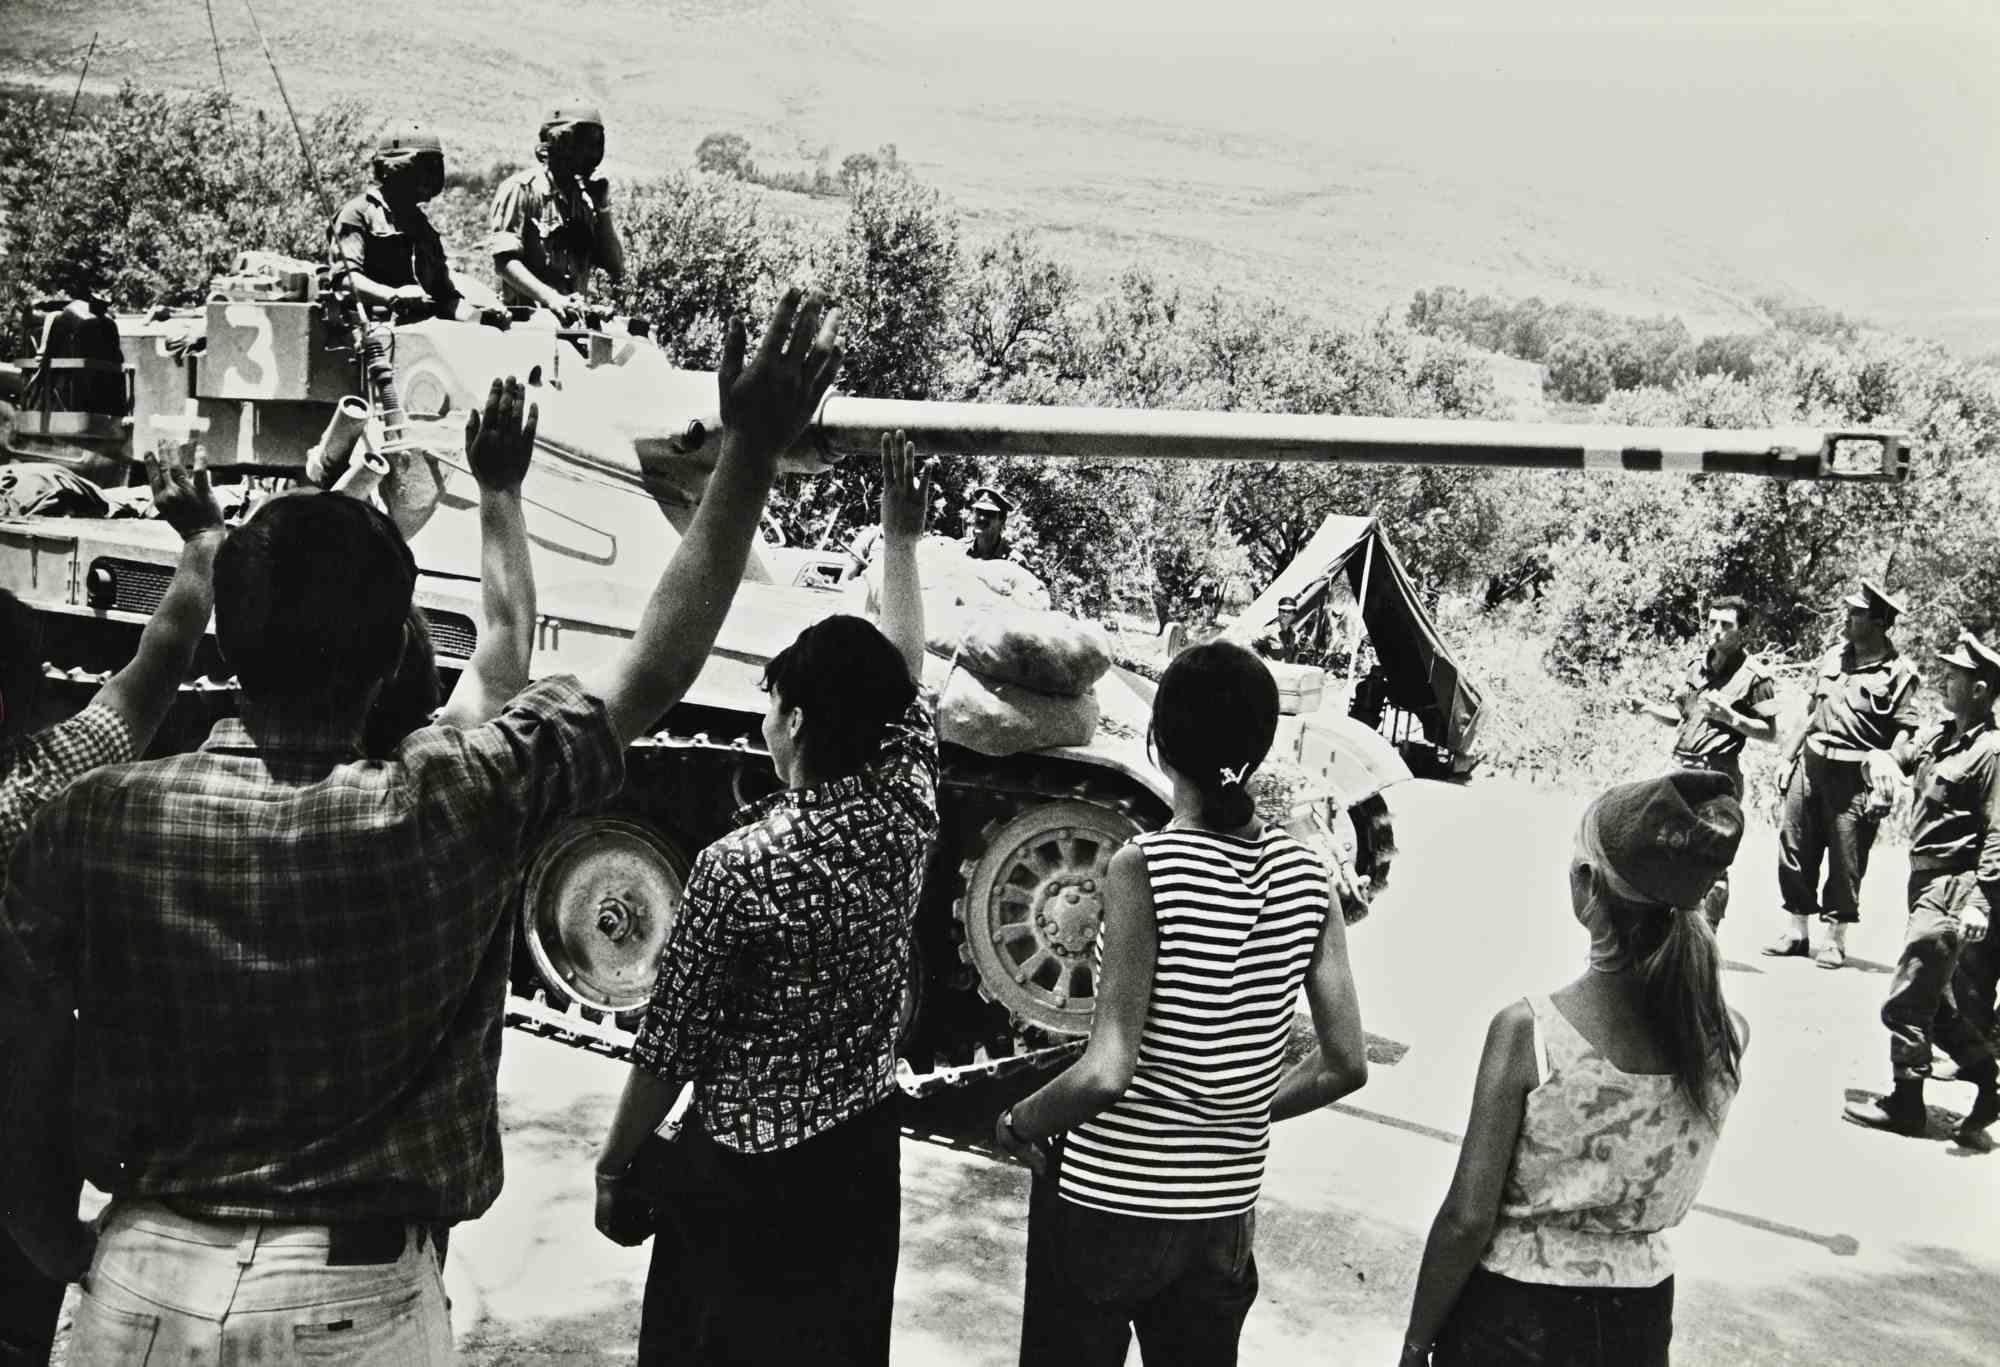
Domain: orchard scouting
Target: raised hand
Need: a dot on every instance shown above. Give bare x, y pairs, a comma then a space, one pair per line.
906, 487
181, 494
499, 444
767, 404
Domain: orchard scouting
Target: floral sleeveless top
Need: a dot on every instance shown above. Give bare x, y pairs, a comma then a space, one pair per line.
1605, 1163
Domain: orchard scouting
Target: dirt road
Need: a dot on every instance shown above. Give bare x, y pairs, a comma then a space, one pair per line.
1816, 1242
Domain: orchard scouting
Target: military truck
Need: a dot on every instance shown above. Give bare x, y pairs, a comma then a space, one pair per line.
1001, 975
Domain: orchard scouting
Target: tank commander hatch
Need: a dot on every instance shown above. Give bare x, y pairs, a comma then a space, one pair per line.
394, 256
552, 223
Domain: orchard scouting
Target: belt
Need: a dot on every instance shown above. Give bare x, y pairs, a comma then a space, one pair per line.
1720, 763
349, 1243
1839, 754
1944, 863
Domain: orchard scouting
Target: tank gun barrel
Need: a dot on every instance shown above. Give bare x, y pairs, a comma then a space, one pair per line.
854, 427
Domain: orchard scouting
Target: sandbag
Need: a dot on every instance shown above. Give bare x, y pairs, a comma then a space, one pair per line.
1050, 652
1005, 719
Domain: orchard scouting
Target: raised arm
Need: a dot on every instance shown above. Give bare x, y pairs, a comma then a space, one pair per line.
765, 406
143, 691
1125, 987
498, 447
906, 486
1341, 1064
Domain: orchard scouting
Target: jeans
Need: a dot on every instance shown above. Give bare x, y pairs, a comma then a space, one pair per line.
1943, 988
1499, 1322
798, 1269
1095, 1277
1825, 815
164, 1288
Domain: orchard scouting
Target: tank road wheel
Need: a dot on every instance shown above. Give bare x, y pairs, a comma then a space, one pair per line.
1030, 906
597, 906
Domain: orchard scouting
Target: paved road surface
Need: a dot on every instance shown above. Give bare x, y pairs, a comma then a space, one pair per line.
1817, 1242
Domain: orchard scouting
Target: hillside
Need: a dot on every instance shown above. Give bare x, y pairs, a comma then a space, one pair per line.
1256, 165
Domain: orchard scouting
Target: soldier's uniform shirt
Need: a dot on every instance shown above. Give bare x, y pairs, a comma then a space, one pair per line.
779, 987
550, 225
1284, 647
1825, 815
394, 248
1943, 989
1862, 707
1738, 681
1002, 549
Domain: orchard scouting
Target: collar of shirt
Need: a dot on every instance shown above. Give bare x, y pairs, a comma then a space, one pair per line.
1844, 659
278, 736
815, 797
1950, 738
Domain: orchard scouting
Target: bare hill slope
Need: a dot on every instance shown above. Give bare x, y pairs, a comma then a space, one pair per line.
1343, 175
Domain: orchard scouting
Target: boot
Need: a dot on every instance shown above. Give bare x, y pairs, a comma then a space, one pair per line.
1985, 1106
1900, 1112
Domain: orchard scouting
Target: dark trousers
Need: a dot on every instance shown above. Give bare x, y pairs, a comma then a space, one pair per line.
1943, 988
1715, 902
1824, 816
1499, 1322
797, 1267
1095, 1277
29, 1304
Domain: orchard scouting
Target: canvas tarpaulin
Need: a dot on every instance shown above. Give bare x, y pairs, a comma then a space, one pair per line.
1423, 678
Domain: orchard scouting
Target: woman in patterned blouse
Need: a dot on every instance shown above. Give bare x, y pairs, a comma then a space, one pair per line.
777, 998
1597, 1107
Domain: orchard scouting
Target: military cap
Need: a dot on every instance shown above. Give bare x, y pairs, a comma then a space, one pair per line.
573, 111
1869, 598
985, 496
407, 140
1288, 604
1974, 655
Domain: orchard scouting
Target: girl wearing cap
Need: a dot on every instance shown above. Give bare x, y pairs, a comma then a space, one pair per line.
1148, 1153
1597, 1107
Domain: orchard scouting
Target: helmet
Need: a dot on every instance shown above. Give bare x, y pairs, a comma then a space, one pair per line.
407, 140
566, 145
569, 113
409, 163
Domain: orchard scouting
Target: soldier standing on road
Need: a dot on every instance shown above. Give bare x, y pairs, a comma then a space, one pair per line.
1945, 979
1282, 643
552, 223
1725, 700
1845, 764
394, 256
988, 538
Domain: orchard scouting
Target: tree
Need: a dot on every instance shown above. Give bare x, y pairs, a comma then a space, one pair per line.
1578, 370
894, 267
697, 254
725, 154
154, 194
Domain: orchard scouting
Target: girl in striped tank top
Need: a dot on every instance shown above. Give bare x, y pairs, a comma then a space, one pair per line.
1144, 1202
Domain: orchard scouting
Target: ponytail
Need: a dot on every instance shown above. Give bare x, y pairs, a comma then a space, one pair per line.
1680, 982
1225, 800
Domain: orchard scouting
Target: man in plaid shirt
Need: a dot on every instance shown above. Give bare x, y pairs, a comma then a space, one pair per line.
115, 726
287, 964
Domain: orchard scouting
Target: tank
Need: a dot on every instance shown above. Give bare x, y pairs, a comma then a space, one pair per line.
1001, 975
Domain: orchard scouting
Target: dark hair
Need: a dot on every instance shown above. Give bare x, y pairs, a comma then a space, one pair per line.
1216, 709
851, 682
411, 695
1680, 990
1736, 603
20, 663
311, 594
